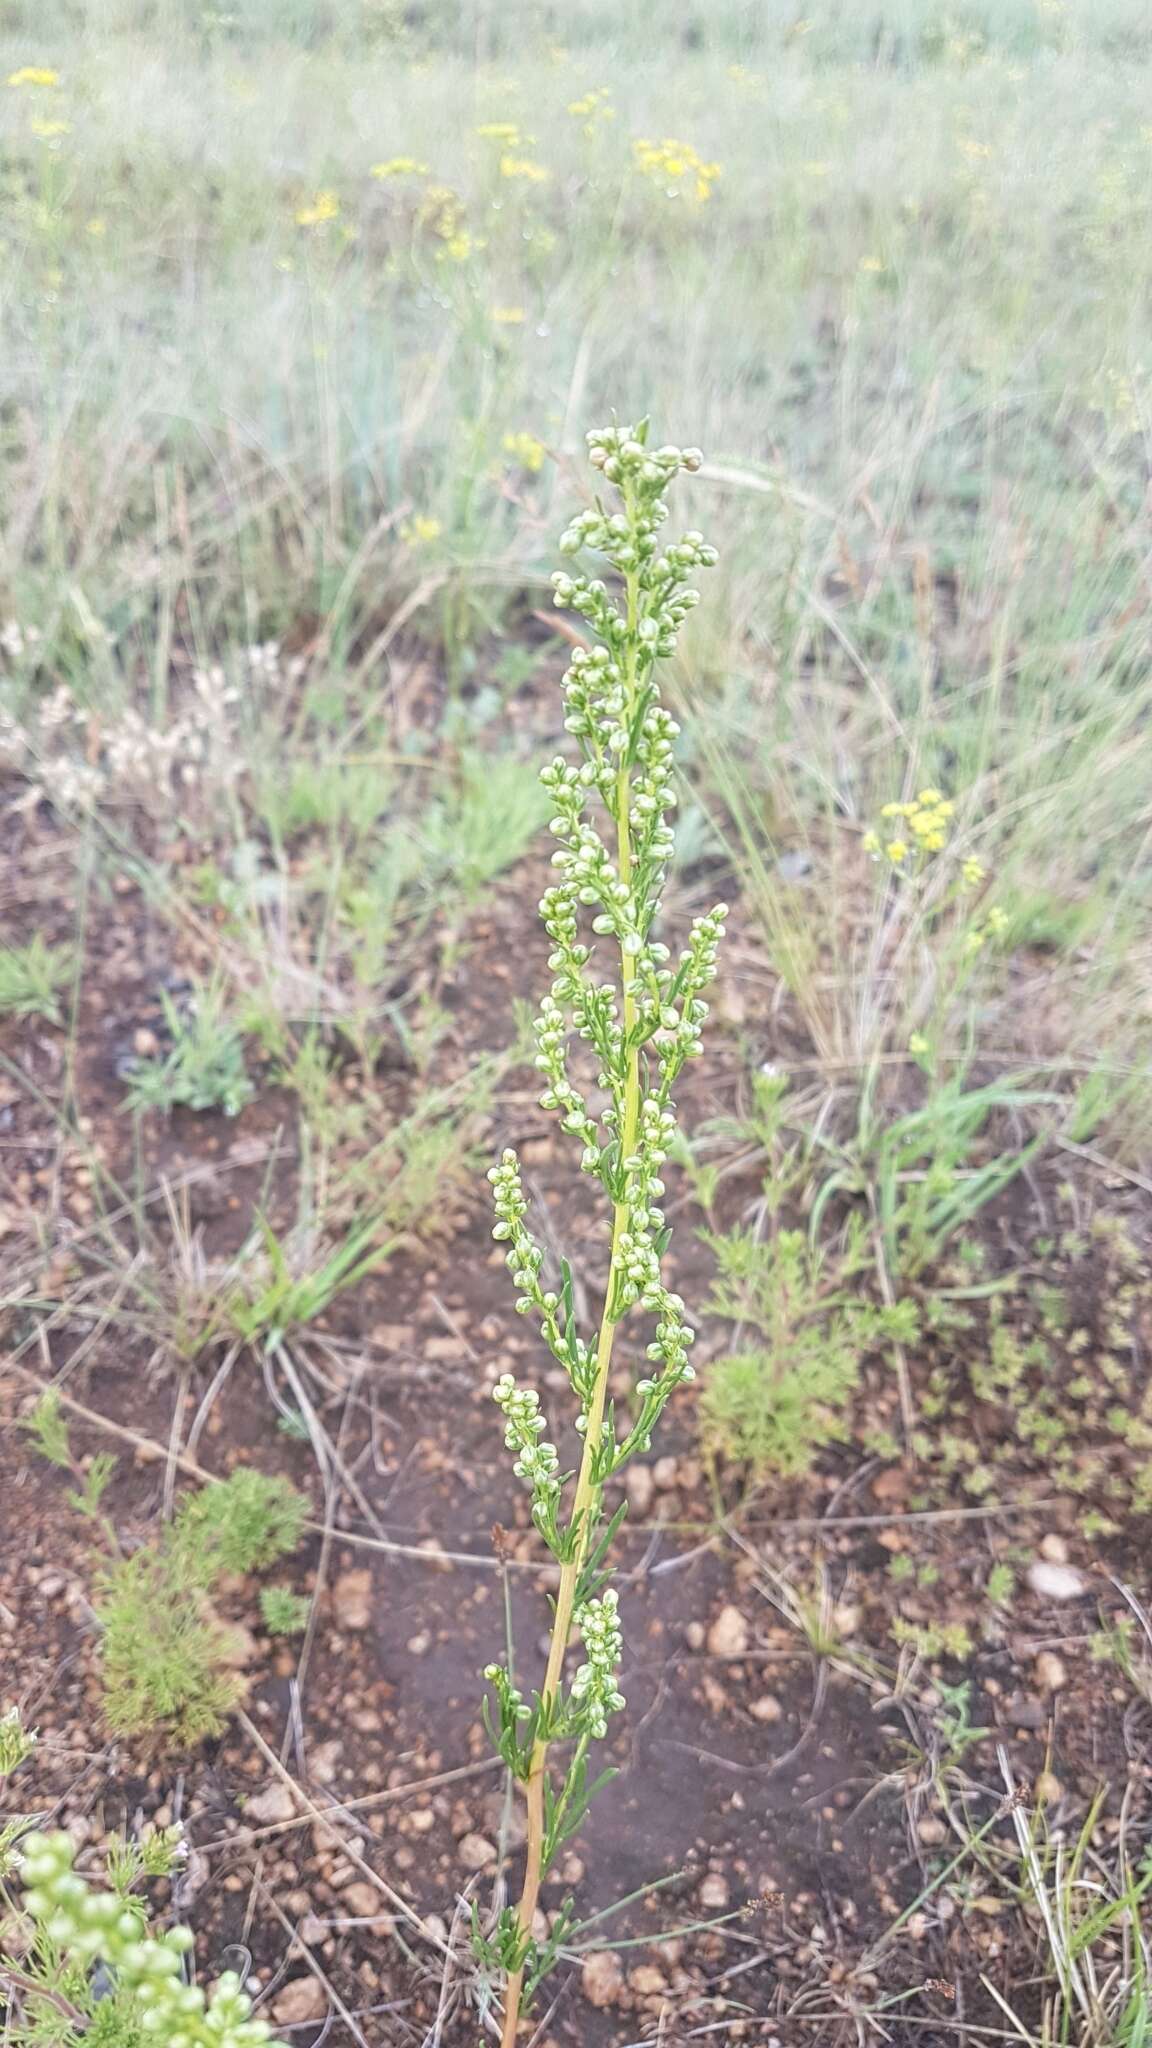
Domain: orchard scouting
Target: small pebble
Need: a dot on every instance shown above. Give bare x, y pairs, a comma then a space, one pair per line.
1051, 1671
602, 1978
714, 1892
475, 1852
1056, 1581
729, 1634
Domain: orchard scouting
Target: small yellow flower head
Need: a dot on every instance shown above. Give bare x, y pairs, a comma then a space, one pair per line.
524, 167
974, 939
997, 921
875, 263
34, 75
420, 531
972, 873
96, 227
676, 166
917, 1045
506, 132
325, 207
592, 108
897, 810
526, 450
871, 842
399, 167
897, 850
508, 316
457, 248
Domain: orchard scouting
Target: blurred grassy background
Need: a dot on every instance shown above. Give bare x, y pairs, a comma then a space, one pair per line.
305, 310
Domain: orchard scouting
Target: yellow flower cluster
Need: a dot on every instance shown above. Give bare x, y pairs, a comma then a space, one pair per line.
325, 207
442, 213
506, 133
420, 531
592, 108
919, 827
994, 927
400, 167
34, 75
676, 165
526, 450
523, 167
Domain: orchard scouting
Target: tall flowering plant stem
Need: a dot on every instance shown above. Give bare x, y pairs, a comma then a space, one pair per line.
641, 1019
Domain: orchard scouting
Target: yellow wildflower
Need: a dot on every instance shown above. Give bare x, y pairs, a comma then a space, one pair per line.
997, 921
871, 842
672, 163
523, 167
930, 796
500, 131
592, 107
974, 939
526, 450
324, 208
34, 74
972, 872
457, 248
399, 167
508, 316
874, 263
897, 850
896, 810
421, 530
96, 227
917, 1045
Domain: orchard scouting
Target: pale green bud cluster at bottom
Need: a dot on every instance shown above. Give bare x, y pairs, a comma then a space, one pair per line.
90, 1926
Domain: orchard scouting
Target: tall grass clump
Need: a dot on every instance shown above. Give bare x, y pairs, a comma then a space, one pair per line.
611, 821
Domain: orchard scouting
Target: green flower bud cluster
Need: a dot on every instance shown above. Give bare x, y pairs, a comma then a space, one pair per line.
88, 1927
537, 1462
594, 1689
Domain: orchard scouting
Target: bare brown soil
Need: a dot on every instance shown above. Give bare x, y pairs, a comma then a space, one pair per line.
345, 1822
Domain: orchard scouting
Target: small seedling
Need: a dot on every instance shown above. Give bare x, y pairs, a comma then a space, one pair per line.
611, 822
284, 1612
205, 1067
31, 977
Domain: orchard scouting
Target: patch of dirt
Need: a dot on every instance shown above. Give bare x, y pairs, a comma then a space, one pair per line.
781, 1758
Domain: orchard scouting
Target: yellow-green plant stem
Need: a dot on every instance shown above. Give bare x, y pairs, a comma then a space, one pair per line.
583, 1503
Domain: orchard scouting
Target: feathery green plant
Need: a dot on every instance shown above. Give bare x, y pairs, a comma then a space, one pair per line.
31, 977
640, 1027
164, 1653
